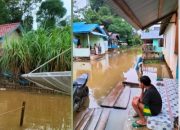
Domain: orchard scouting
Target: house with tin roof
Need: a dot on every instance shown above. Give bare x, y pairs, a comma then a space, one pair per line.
8, 32
89, 40
153, 40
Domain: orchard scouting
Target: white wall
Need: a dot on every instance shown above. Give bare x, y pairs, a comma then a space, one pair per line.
169, 45
106, 45
81, 52
99, 40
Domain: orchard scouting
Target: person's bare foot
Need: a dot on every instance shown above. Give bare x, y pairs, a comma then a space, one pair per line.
141, 122
135, 115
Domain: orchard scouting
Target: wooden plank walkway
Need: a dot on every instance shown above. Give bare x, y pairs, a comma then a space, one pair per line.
132, 85
85, 121
103, 119
123, 100
79, 118
107, 118
110, 100
95, 118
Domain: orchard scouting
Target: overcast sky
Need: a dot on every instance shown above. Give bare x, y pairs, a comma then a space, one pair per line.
67, 5
81, 3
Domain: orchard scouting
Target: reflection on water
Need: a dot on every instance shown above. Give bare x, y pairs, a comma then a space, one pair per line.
43, 112
107, 72
159, 68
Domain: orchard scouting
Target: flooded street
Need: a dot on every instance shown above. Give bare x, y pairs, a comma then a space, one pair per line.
105, 73
43, 111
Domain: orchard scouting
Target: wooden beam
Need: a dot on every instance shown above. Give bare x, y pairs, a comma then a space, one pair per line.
110, 100
103, 119
177, 38
160, 8
123, 100
157, 20
166, 23
127, 10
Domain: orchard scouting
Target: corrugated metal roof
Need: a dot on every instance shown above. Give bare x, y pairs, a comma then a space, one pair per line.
98, 34
119, 12
143, 13
7, 28
82, 27
164, 25
151, 35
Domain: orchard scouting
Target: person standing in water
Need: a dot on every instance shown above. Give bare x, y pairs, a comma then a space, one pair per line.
96, 49
99, 49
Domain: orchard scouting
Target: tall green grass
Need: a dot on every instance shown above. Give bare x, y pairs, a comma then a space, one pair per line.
34, 48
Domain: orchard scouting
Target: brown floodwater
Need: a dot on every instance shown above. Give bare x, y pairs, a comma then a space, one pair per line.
105, 73
42, 112
160, 68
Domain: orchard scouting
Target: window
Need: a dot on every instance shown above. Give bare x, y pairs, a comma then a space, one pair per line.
161, 42
157, 28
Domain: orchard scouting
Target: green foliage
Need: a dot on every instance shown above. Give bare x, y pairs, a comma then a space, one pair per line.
27, 23
21, 11
76, 18
3, 13
50, 12
104, 11
122, 27
134, 40
91, 16
14, 10
103, 15
96, 4
9, 11
153, 62
35, 48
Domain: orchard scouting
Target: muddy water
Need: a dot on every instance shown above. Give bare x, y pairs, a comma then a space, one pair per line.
43, 111
107, 72
160, 68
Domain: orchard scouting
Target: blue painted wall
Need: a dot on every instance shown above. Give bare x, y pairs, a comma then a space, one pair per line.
156, 45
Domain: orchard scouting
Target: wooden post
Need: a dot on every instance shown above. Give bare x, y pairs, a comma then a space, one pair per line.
88, 40
22, 113
89, 44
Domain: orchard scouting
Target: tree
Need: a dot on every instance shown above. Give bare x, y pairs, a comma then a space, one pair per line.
27, 23
50, 13
112, 22
3, 13
96, 4
91, 16
122, 27
17, 11
104, 11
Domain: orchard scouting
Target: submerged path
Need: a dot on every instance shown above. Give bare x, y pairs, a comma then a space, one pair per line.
104, 74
